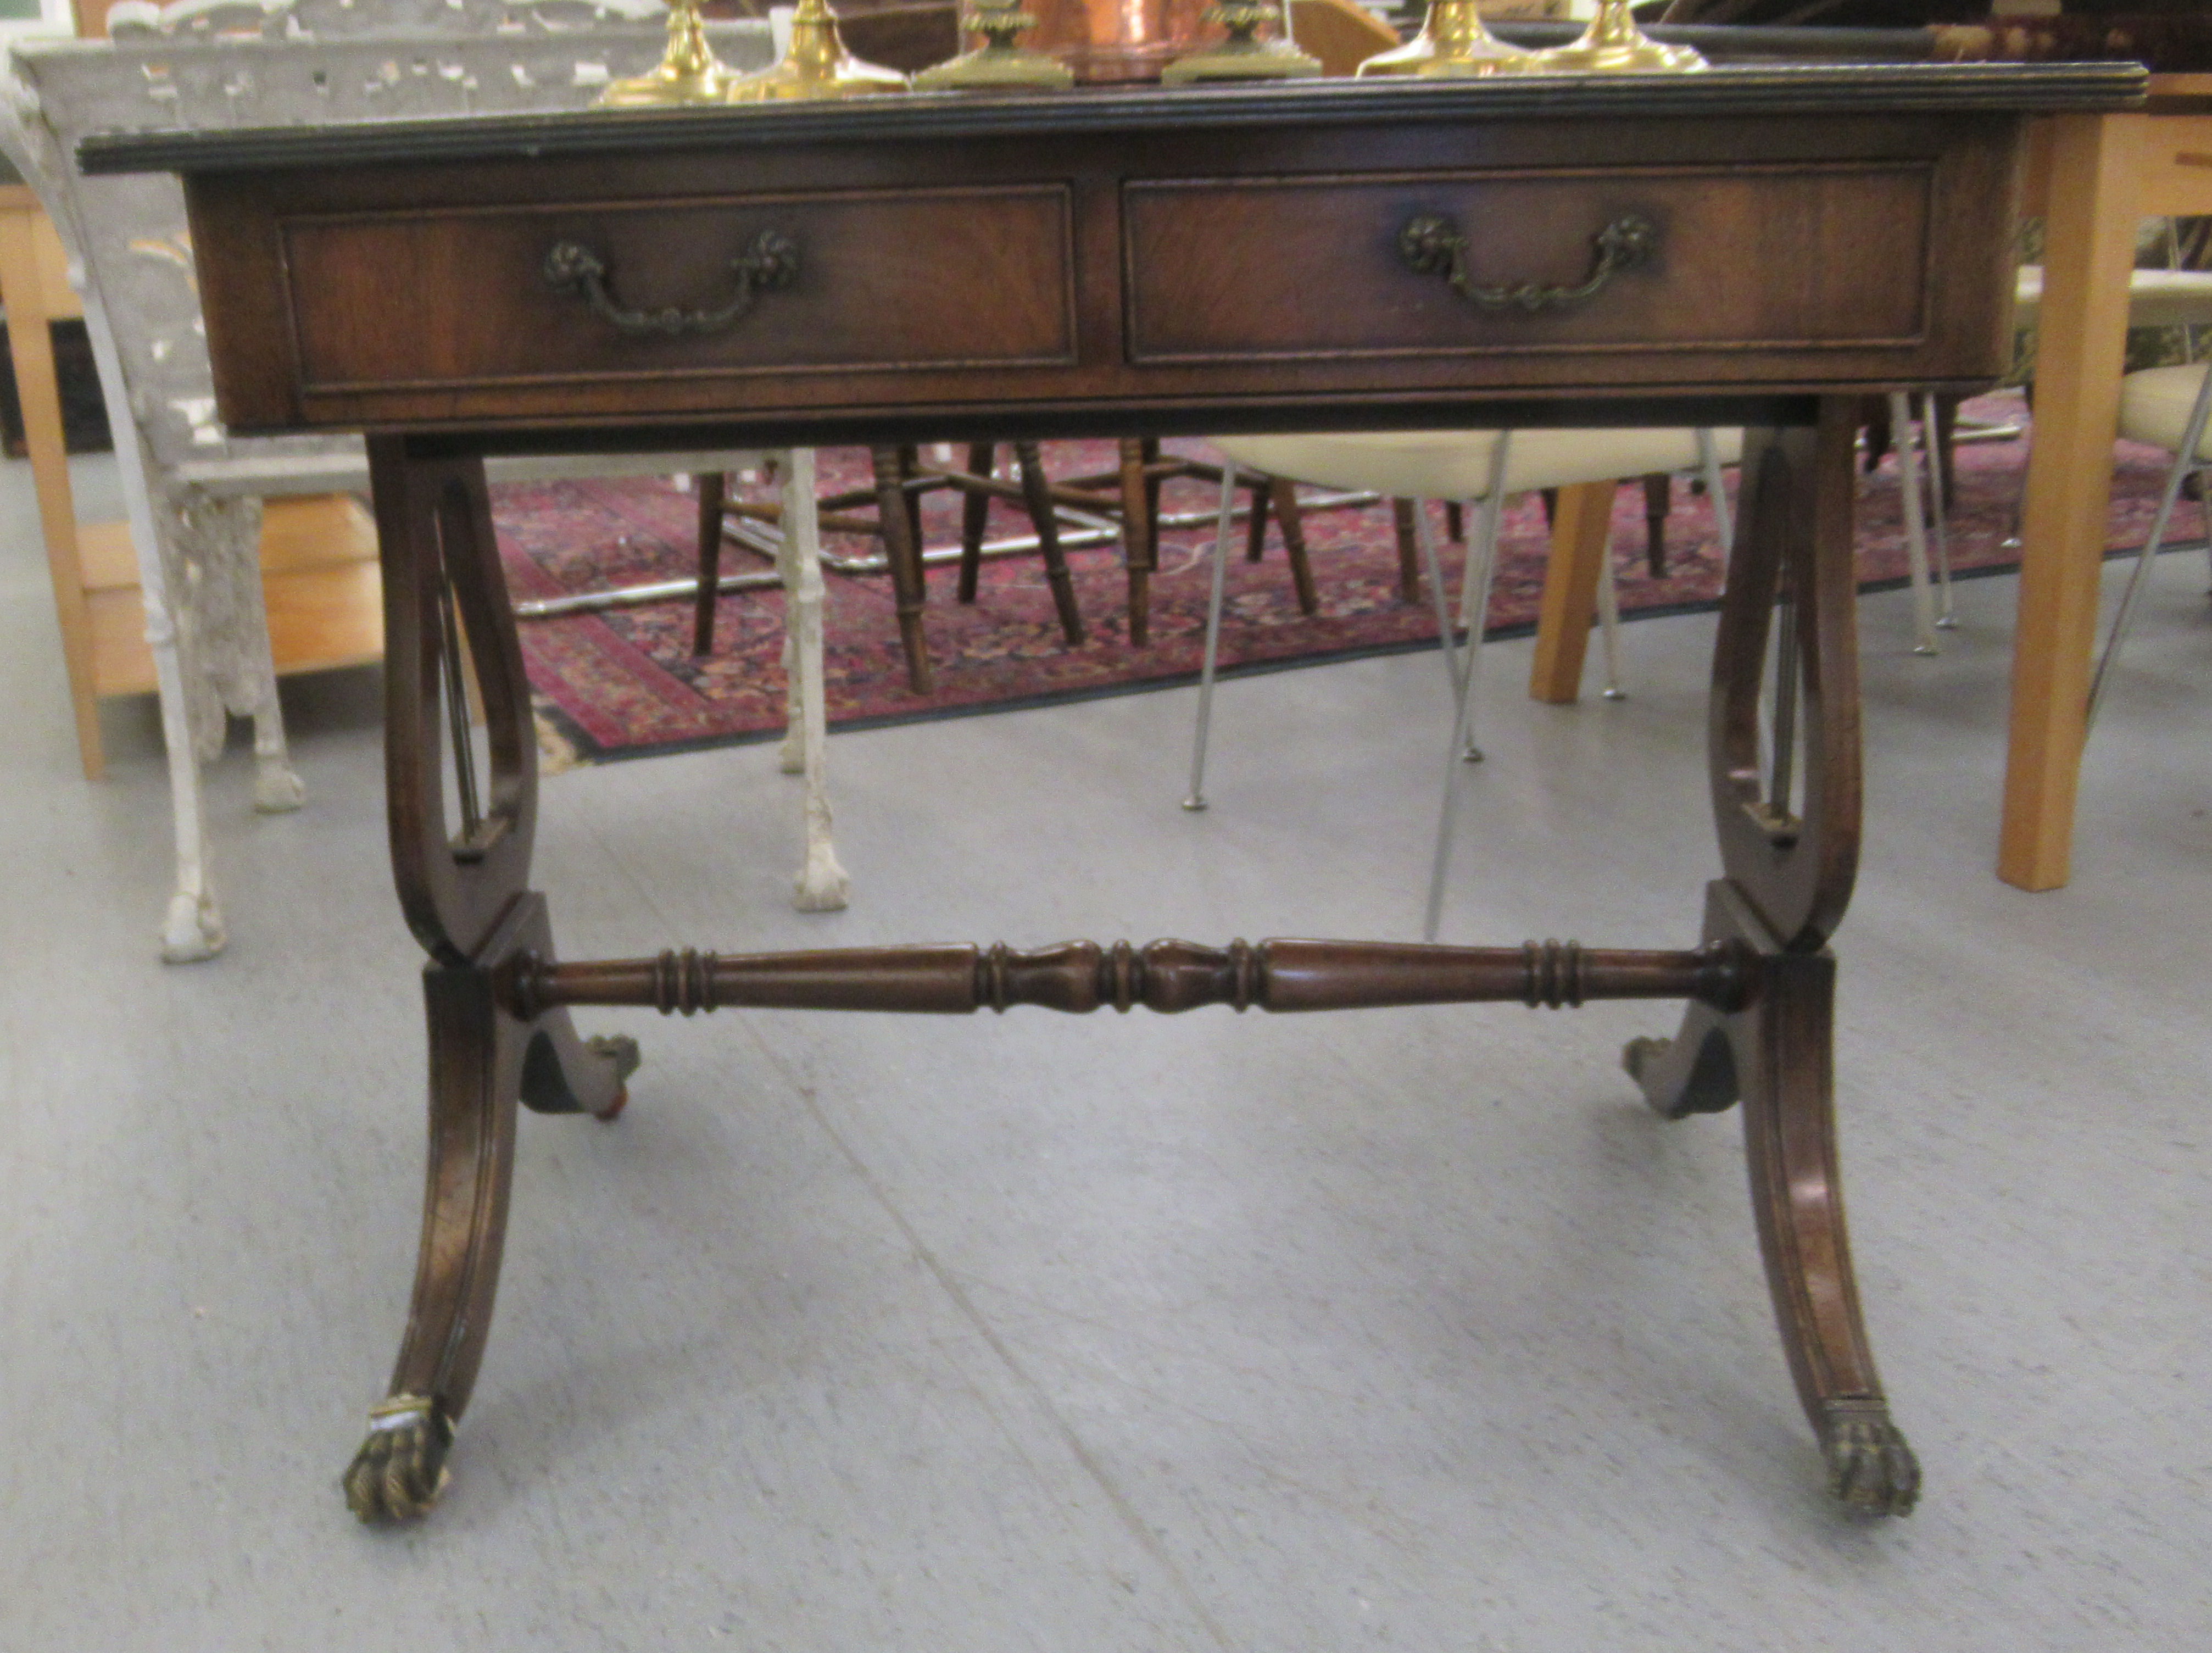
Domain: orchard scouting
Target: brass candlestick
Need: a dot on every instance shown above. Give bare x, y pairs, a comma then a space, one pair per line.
1242, 57
998, 61
817, 65
1452, 43
1613, 45
690, 73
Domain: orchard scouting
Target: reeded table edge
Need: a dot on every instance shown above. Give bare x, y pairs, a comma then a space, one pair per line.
1808, 90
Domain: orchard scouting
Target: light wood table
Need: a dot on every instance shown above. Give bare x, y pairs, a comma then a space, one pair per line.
2093, 178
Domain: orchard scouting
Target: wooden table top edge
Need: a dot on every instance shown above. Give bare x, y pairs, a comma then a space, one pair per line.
1728, 89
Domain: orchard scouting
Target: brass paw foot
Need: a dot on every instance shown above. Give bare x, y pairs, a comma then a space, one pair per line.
1871, 1471
400, 1469
622, 1050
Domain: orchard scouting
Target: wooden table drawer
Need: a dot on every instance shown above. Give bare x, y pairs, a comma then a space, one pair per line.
1740, 258
460, 298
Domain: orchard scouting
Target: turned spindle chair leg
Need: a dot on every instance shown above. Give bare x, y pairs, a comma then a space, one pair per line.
1284, 497
713, 485
902, 550
1255, 523
1037, 493
1141, 545
1409, 550
1658, 502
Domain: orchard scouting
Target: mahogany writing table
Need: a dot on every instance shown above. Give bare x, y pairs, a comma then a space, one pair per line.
1756, 247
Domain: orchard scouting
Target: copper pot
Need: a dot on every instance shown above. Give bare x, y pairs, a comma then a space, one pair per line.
1118, 39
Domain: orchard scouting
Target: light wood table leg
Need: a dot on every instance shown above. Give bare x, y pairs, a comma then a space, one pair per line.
2089, 247
30, 346
1582, 535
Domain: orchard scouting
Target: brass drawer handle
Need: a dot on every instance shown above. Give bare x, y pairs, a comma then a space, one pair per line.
771, 262
1431, 244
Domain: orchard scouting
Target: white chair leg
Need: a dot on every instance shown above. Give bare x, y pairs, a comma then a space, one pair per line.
1196, 800
1425, 539
821, 886
791, 752
227, 637
277, 788
1482, 552
2184, 460
1475, 578
1447, 818
1709, 466
1916, 527
193, 928
1608, 627
1931, 444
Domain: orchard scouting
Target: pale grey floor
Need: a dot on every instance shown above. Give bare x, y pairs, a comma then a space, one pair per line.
1406, 1330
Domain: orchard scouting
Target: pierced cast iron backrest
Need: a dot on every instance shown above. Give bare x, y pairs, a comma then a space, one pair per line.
254, 63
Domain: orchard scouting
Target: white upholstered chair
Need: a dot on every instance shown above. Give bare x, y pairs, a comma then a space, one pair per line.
1480, 468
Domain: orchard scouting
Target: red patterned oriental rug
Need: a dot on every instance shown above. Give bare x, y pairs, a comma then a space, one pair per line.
624, 683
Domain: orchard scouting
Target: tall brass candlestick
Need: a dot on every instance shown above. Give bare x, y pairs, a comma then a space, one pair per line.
1613, 45
1453, 43
690, 73
817, 65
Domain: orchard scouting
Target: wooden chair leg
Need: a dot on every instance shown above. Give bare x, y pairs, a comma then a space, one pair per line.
1255, 522
909, 464
1038, 496
1455, 522
1409, 546
1580, 538
1658, 500
1140, 542
974, 511
712, 486
902, 549
1155, 478
1284, 497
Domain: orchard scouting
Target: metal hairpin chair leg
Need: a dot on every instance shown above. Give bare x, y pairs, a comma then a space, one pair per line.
1424, 535
2185, 461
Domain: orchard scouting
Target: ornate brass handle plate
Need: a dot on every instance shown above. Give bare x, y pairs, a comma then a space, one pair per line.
771, 262
1432, 245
